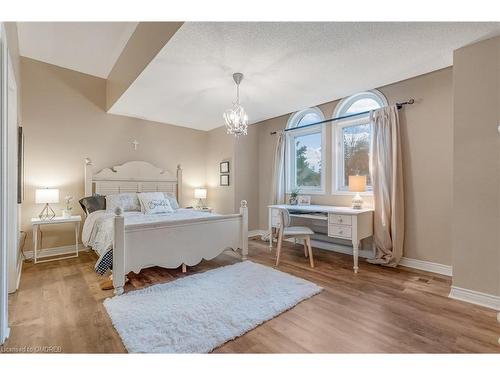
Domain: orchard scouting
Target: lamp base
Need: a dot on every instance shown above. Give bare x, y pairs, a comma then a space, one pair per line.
357, 202
199, 204
47, 213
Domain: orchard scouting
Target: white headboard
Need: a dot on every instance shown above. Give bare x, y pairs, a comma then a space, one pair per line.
132, 177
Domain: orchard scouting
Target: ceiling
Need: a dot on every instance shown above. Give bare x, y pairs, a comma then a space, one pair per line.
287, 66
88, 47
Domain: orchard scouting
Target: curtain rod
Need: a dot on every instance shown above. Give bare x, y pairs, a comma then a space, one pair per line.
398, 105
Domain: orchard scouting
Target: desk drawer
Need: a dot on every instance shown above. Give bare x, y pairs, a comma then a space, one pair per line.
340, 231
340, 219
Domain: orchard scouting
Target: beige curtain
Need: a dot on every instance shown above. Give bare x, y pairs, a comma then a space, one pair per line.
387, 180
278, 178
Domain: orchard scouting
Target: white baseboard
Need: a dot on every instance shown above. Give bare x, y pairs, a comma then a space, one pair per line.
477, 298
256, 232
53, 251
424, 265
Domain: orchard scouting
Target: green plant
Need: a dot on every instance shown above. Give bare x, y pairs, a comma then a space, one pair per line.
294, 193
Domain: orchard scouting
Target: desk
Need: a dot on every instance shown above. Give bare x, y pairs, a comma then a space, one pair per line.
343, 222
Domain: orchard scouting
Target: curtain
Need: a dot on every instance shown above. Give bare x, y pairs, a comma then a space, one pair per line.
387, 181
278, 178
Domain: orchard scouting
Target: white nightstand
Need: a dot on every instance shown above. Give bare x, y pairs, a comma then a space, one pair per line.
37, 222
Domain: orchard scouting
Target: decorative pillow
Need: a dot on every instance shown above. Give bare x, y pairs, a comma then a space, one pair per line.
93, 203
173, 201
154, 203
127, 201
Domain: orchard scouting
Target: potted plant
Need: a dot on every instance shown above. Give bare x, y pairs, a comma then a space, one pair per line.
67, 210
293, 196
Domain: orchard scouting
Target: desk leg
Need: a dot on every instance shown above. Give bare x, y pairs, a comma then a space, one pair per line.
77, 232
35, 242
355, 254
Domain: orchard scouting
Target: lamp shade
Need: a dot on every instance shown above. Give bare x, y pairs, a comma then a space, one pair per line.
43, 196
357, 184
200, 193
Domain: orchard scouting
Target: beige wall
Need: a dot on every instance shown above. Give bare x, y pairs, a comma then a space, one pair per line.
427, 138
65, 121
220, 147
476, 192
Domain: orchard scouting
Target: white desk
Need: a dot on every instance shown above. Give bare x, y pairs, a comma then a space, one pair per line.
36, 222
343, 222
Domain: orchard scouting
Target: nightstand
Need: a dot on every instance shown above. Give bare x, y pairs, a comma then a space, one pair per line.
37, 222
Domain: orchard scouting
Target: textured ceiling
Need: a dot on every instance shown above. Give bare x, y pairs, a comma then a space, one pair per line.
88, 47
287, 66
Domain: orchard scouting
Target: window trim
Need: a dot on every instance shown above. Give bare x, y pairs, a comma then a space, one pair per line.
290, 160
337, 148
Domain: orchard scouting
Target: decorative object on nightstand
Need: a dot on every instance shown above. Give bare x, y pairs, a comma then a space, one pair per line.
37, 222
200, 194
357, 184
46, 196
304, 200
66, 213
205, 209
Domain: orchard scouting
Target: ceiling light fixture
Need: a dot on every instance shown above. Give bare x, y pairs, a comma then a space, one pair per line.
236, 118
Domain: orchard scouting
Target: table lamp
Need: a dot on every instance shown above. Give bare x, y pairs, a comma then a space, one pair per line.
46, 196
200, 194
357, 184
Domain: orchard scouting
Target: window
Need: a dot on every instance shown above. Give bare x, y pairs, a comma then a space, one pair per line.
352, 138
305, 152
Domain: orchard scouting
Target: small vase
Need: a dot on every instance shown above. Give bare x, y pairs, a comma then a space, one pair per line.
66, 214
293, 201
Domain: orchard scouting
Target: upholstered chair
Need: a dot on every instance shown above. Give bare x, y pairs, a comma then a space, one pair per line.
299, 233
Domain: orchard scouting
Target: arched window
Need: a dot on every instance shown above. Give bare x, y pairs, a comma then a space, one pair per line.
306, 152
352, 137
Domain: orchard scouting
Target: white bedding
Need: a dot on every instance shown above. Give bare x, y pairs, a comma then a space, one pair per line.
98, 228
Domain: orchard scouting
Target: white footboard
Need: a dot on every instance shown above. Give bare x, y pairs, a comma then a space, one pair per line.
172, 244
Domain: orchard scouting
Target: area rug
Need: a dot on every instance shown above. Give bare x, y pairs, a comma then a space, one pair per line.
198, 313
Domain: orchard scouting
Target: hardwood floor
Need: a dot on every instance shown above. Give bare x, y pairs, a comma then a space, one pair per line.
379, 310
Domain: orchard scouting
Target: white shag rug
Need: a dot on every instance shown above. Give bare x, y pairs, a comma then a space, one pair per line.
198, 313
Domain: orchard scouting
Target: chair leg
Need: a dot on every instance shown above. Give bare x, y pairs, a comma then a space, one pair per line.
278, 249
305, 248
311, 260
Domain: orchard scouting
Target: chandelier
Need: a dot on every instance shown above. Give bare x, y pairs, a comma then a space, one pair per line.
236, 118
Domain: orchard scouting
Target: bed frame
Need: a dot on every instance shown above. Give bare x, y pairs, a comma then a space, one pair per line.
168, 244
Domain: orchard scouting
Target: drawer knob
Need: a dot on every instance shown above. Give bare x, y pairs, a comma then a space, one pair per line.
340, 220
340, 232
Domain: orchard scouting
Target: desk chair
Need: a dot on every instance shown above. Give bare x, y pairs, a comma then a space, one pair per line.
286, 231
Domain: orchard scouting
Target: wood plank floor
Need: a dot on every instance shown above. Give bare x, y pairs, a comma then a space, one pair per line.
379, 310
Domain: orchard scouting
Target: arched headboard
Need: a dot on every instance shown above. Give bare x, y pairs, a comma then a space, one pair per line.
132, 177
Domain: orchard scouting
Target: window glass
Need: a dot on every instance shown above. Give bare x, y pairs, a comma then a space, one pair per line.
308, 160
356, 152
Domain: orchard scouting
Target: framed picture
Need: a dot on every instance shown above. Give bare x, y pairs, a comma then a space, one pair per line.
304, 200
224, 167
224, 180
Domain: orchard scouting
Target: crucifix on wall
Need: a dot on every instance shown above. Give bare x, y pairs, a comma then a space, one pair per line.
135, 143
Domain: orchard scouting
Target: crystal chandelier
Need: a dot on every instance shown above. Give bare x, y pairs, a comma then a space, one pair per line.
236, 118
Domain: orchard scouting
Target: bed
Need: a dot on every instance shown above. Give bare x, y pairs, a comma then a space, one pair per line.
181, 238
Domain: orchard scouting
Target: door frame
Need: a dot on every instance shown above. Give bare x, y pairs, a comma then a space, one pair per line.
4, 327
